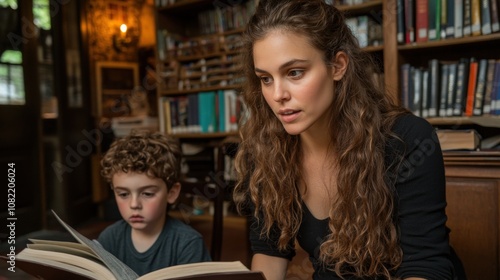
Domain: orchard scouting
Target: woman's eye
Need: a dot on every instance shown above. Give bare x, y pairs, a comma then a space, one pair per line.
265, 80
122, 195
296, 73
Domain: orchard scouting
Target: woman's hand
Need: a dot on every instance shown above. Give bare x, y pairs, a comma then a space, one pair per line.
274, 268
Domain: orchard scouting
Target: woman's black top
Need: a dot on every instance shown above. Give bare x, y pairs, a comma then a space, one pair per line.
420, 209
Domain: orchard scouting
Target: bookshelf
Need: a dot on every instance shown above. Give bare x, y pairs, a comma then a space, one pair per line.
472, 182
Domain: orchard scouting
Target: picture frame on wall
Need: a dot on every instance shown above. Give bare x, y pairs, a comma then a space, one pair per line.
116, 82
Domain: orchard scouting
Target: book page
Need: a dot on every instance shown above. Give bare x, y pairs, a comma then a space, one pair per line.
118, 268
67, 250
195, 269
68, 262
69, 244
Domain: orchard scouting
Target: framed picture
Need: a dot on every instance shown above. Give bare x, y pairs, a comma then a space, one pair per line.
116, 81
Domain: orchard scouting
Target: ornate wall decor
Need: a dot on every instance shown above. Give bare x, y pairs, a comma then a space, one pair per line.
106, 40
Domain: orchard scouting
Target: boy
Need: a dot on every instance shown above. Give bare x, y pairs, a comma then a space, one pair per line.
143, 170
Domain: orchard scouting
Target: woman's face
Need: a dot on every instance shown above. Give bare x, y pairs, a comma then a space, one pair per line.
296, 83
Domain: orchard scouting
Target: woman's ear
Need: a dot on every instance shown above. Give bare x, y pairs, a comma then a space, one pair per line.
173, 193
340, 63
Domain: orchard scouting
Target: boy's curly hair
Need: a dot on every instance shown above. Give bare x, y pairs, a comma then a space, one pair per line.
151, 153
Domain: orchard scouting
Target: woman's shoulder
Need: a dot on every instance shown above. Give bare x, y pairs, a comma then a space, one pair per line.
411, 124
412, 131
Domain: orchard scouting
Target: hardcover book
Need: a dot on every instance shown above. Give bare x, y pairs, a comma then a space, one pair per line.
450, 139
87, 259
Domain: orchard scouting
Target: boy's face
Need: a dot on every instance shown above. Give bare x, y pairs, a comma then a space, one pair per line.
143, 200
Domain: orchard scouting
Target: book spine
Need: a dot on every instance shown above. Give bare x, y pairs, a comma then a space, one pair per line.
443, 91
467, 24
416, 103
410, 21
480, 88
434, 73
207, 111
405, 85
459, 18
425, 93
222, 111
363, 31
434, 20
450, 18
444, 17
495, 23
476, 17
485, 17
192, 112
161, 114
401, 22
495, 99
422, 20
450, 97
469, 105
490, 75
458, 106
174, 114
182, 106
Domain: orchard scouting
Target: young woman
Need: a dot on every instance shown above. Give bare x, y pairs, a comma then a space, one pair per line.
327, 160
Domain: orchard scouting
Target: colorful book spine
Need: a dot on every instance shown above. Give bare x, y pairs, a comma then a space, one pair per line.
469, 105
476, 17
206, 111
434, 20
422, 20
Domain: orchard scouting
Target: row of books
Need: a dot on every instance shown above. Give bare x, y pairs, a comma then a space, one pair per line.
431, 20
203, 112
467, 87
226, 17
367, 30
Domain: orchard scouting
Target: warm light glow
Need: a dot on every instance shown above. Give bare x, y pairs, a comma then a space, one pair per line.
123, 28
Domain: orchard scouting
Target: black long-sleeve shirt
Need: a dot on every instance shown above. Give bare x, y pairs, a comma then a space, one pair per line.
420, 209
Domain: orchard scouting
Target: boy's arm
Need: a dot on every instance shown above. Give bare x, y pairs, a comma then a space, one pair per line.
274, 268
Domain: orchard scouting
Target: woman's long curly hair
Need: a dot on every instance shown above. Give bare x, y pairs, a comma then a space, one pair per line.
363, 232
145, 152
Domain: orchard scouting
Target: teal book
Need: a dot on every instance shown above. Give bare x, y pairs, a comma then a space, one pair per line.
221, 112
206, 109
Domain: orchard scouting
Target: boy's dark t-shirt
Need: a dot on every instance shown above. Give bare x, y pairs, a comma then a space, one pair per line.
178, 243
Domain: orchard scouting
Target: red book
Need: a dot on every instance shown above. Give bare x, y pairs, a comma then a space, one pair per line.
469, 104
422, 20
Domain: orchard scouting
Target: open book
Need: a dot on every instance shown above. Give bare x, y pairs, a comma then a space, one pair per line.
87, 259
